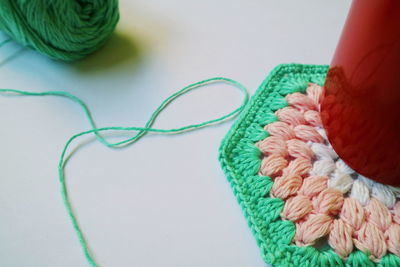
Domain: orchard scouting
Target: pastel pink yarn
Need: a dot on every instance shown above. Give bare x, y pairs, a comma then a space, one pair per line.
320, 195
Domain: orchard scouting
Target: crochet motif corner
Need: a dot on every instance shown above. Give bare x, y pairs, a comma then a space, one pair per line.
304, 205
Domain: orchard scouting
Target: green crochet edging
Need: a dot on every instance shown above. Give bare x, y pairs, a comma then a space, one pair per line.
240, 159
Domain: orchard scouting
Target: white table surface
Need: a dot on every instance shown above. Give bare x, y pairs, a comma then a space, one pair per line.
163, 201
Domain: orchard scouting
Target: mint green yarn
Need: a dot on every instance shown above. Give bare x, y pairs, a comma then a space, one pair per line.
240, 160
140, 132
61, 29
262, 210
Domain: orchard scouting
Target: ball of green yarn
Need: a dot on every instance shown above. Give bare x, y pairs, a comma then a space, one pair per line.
61, 29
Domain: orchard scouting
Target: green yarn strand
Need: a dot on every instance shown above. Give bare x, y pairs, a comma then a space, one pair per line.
141, 131
61, 29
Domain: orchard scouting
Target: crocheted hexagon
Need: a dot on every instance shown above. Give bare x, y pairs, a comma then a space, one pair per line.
304, 205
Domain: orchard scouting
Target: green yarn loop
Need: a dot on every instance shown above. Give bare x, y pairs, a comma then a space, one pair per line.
140, 132
65, 30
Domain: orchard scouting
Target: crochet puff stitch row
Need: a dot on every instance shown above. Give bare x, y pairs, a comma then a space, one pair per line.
303, 204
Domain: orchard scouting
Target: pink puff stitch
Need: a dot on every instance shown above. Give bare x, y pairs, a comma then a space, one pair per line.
321, 195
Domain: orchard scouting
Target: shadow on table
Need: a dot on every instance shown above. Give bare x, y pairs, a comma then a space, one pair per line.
119, 50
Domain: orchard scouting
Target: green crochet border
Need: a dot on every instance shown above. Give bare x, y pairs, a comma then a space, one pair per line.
240, 159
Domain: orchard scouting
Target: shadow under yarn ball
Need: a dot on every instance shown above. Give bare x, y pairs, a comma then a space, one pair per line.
119, 51
65, 30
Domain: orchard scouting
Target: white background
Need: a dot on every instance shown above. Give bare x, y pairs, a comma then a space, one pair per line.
163, 201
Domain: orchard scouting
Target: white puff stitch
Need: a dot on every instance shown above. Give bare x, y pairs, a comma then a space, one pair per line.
345, 179
341, 181
323, 167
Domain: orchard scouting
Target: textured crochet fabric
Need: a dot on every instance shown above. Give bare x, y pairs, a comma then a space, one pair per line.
304, 205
